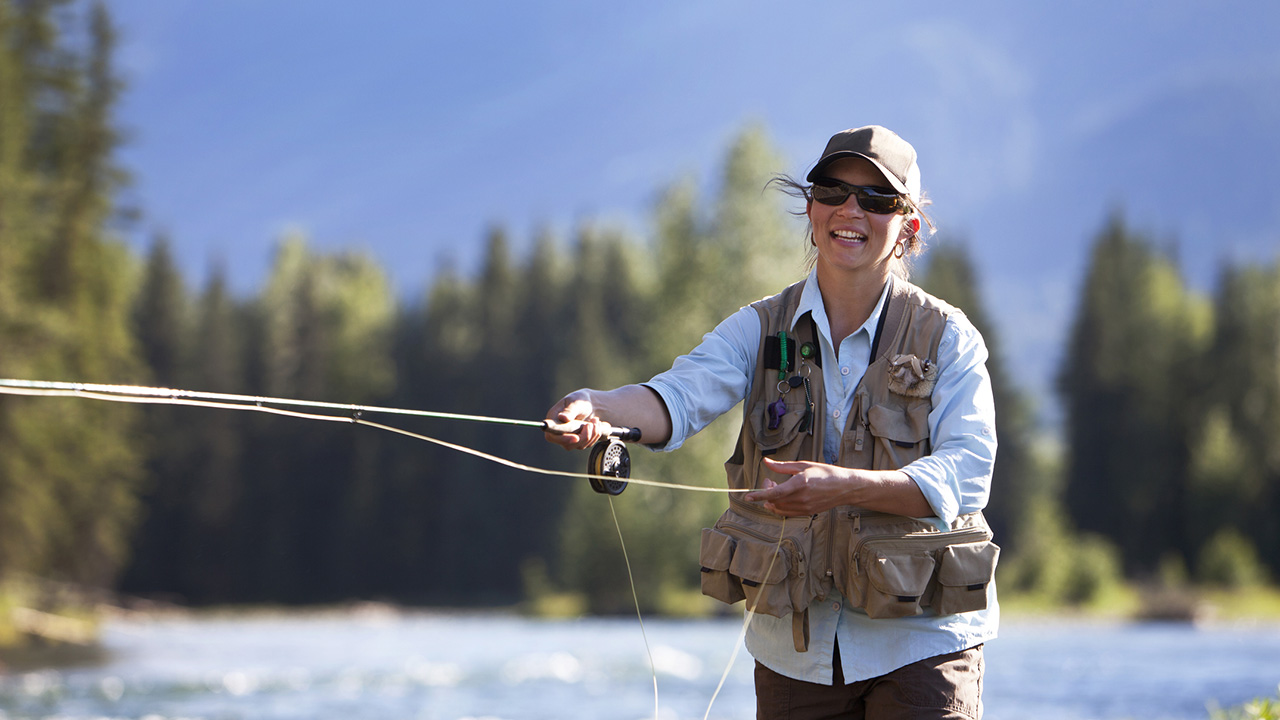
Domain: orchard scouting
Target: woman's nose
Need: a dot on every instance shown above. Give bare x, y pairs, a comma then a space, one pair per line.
850, 207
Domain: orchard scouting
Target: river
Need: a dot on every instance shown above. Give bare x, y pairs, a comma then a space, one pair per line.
381, 664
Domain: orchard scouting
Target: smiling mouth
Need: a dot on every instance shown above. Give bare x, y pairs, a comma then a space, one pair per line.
849, 236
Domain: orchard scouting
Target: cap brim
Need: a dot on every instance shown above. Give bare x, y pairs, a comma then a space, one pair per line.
892, 179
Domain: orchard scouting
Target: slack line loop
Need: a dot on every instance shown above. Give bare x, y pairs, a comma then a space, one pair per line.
605, 476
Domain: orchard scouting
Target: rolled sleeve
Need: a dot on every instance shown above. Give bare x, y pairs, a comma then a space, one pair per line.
716, 375
956, 476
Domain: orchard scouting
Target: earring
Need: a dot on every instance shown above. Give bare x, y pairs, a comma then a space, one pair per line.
899, 249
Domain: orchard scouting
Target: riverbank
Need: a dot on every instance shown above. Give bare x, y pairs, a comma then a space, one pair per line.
1138, 603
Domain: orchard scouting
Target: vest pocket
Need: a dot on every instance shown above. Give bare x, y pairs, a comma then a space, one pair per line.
964, 572
896, 580
763, 567
898, 566
901, 433
740, 561
787, 429
715, 556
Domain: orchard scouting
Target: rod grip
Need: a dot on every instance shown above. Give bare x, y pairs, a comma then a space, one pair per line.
625, 434
567, 428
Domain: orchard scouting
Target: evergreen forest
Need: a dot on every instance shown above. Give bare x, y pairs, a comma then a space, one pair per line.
1166, 464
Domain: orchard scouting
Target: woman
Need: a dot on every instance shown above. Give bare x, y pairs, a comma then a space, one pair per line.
867, 445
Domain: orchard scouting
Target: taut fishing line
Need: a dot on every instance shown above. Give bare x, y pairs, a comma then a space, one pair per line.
609, 462
138, 394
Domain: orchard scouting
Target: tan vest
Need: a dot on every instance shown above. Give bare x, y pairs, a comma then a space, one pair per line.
886, 565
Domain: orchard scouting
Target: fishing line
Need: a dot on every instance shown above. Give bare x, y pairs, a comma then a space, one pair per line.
162, 392
751, 613
136, 394
636, 597
252, 403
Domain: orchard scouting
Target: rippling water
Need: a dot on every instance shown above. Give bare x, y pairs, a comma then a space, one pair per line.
384, 665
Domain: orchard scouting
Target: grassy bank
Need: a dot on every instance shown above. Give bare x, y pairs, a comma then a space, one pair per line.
44, 624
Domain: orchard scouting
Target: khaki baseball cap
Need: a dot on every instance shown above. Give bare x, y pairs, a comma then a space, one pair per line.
892, 155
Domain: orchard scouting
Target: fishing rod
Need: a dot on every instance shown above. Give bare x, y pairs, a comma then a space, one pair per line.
608, 463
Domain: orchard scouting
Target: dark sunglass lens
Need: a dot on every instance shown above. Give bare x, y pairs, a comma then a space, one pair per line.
830, 194
880, 202
873, 200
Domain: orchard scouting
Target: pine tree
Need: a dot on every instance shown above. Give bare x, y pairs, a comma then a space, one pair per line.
161, 326
1129, 363
70, 469
1235, 458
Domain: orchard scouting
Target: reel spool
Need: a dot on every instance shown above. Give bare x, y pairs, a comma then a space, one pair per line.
609, 457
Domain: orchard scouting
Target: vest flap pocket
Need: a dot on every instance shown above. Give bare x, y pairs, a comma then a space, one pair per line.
717, 550
759, 563
903, 425
968, 564
787, 429
903, 573
964, 573
715, 556
897, 579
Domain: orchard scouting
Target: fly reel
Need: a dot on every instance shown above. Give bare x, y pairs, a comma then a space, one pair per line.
609, 457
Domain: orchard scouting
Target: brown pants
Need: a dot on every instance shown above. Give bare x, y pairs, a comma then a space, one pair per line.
947, 687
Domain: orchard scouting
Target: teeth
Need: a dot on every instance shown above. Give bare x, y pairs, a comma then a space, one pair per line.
848, 235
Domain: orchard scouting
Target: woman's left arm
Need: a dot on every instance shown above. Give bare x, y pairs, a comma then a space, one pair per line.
953, 479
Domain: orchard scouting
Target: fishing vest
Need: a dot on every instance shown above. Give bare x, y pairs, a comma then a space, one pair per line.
884, 565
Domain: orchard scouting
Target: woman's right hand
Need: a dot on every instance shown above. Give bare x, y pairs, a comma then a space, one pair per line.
576, 409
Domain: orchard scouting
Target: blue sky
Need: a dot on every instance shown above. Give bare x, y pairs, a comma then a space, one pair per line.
410, 128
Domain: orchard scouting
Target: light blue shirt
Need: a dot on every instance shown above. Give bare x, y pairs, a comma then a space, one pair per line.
955, 478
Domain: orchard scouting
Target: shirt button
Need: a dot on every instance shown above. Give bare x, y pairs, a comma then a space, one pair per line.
835, 606
836, 414
844, 370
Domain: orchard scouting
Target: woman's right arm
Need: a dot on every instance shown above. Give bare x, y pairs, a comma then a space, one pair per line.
634, 406
699, 387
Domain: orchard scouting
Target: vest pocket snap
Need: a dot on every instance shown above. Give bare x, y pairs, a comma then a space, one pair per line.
964, 571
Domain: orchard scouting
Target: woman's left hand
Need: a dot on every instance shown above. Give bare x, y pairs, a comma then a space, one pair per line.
817, 487
812, 488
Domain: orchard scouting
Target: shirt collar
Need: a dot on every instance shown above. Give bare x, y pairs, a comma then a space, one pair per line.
811, 302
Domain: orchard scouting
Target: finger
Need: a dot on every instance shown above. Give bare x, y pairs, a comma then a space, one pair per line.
763, 492
575, 410
787, 468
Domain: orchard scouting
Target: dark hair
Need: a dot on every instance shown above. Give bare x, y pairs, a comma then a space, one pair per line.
915, 244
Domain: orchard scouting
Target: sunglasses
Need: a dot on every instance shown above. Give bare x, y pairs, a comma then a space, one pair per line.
881, 201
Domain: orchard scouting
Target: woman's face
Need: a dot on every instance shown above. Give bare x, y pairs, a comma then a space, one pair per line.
850, 239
